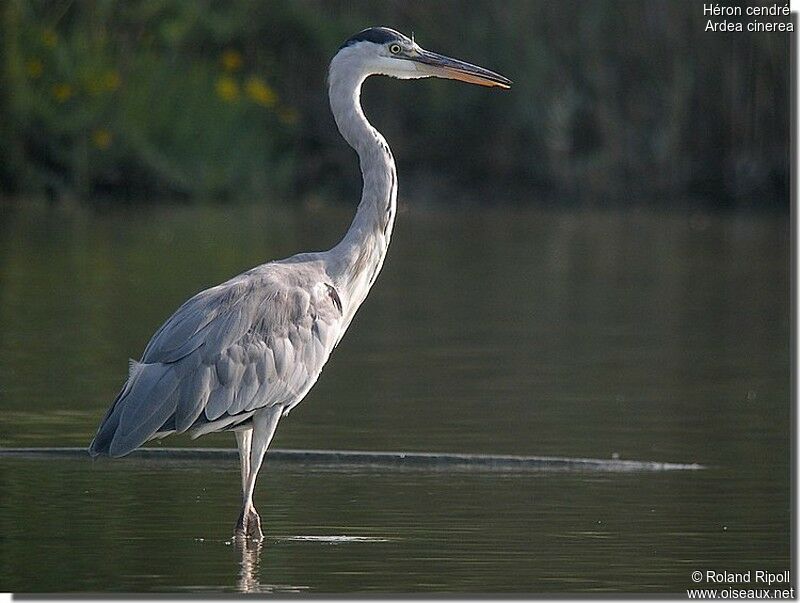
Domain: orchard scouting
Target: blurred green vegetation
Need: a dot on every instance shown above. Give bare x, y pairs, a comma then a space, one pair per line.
613, 101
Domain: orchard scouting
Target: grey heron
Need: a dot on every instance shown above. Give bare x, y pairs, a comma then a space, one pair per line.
239, 356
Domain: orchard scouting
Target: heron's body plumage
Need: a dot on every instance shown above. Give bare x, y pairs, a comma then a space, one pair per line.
255, 341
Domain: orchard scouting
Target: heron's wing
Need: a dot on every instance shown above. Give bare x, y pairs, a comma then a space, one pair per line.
256, 341
218, 308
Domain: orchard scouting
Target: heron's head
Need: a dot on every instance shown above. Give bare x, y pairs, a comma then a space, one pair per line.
384, 51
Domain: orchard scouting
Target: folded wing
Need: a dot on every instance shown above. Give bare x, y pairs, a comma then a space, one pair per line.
258, 340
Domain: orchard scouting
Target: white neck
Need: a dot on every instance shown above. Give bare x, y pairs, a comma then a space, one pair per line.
354, 263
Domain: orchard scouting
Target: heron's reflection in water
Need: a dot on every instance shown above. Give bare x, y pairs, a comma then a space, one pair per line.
249, 570
248, 581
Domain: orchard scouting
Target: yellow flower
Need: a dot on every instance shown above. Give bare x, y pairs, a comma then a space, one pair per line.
227, 89
103, 82
231, 60
49, 38
34, 67
288, 115
111, 80
258, 90
102, 138
62, 92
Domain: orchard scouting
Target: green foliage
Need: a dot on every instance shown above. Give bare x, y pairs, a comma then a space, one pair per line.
612, 100
118, 97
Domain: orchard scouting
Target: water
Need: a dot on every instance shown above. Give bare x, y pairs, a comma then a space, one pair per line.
648, 335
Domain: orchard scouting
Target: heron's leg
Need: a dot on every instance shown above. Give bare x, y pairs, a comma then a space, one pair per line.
243, 439
265, 422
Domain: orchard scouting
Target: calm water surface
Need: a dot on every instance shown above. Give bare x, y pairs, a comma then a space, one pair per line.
654, 336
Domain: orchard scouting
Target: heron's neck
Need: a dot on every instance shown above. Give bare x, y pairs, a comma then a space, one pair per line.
355, 262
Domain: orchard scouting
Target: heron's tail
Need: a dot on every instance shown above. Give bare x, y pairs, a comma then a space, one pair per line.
105, 433
142, 407
101, 443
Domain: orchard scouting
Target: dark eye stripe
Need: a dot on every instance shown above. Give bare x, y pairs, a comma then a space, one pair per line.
377, 35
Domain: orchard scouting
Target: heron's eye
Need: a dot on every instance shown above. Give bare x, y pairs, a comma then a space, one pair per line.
394, 48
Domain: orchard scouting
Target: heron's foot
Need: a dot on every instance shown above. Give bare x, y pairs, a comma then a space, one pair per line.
249, 525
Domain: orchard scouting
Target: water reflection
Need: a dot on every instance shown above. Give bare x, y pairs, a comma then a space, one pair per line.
122, 527
251, 553
248, 581
582, 334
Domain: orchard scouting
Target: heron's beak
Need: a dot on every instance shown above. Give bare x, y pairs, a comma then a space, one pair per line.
438, 65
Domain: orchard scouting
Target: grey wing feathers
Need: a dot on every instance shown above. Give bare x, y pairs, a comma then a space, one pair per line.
258, 340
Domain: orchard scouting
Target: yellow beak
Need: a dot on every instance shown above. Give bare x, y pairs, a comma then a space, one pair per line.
441, 66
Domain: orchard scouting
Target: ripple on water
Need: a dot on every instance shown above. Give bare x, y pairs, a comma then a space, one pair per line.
337, 539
